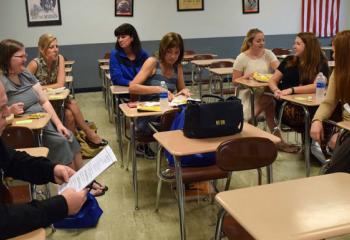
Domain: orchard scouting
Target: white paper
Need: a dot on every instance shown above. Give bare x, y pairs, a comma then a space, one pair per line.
90, 171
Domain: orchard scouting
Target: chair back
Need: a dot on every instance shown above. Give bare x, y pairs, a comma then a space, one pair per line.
107, 55
281, 51
167, 119
221, 64
203, 57
18, 137
245, 153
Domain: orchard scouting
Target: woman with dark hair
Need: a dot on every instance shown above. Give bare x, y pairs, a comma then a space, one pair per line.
127, 58
167, 67
338, 89
297, 74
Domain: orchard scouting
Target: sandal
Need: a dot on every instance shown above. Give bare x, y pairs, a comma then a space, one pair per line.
103, 143
288, 148
104, 189
97, 192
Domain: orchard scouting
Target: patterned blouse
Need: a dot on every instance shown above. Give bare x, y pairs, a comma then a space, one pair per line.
43, 74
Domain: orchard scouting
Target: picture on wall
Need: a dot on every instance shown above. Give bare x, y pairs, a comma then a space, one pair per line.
250, 6
43, 12
124, 8
190, 5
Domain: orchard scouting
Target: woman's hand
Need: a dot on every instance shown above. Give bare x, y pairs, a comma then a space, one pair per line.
170, 96
277, 93
17, 108
64, 131
186, 92
287, 91
316, 131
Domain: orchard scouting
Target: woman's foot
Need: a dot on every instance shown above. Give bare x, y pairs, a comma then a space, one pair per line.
99, 143
288, 148
98, 189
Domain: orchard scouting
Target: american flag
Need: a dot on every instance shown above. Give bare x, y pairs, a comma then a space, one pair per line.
320, 17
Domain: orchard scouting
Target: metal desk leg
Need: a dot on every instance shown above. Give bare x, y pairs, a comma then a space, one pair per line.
200, 82
134, 163
269, 174
221, 79
307, 141
118, 125
218, 228
252, 106
180, 199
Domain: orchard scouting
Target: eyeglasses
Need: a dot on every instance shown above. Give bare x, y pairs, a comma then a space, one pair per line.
21, 56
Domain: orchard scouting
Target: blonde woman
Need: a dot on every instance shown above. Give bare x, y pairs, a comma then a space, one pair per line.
48, 68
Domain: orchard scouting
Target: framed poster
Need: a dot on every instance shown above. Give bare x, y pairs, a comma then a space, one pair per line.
190, 5
124, 8
43, 12
250, 6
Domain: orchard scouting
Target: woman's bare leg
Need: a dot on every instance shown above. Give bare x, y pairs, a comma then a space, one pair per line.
80, 122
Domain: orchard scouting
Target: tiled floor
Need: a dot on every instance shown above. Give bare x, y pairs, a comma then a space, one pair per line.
121, 221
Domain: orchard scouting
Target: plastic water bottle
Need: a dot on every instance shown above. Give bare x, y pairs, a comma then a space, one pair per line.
321, 83
163, 96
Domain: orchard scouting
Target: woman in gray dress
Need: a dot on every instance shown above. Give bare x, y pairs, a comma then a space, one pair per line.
25, 95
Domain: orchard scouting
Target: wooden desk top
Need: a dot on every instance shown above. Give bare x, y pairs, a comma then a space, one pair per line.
133, 113
189, 57
302, 99
68, 69
207, 62
331, 63
308, 208
38, 234
179, 145
344, 124
117, 89
34, 123
251, 83
105, 67
103, 61
59, 96
69, 62
68, 79
36, 151
221, 71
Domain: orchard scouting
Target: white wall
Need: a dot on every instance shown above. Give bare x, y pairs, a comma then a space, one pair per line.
93, 21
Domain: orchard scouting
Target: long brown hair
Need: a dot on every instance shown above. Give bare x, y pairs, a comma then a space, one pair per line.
171, 40
248, 40
341, 45
311, 60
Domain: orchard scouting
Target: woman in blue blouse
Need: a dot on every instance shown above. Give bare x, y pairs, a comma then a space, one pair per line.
128, 57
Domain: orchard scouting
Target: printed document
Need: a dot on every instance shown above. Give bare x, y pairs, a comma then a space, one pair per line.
90, 171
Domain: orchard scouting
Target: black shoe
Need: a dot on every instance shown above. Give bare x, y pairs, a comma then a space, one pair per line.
149, 154
140, 150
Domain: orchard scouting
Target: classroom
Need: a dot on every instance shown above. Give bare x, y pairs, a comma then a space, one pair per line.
86, 34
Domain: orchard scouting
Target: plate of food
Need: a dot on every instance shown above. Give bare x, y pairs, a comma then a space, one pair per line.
36, 115
262, 77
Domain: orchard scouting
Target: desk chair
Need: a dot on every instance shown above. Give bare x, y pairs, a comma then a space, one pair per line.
281, 52
215, 80
238, 155
197, 76
188, 72
189, 174
19, 137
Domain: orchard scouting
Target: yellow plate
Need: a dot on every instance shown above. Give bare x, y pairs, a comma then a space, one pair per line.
262, 77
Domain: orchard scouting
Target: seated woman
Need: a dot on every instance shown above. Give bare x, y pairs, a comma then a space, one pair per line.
296, 74
25, 95
48, 68
167, 67
254, 57
128, 56
338, 89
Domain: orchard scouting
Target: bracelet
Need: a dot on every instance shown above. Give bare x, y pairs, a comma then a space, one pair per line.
292, 90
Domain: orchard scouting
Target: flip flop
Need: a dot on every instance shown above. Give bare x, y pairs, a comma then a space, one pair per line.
105, 188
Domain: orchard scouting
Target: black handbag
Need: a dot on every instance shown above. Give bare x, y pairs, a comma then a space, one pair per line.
214, 119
